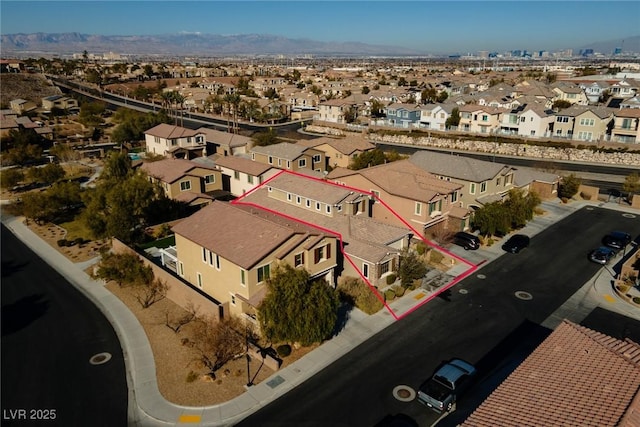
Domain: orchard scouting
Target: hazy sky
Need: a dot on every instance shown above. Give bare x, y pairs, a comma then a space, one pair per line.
427, 26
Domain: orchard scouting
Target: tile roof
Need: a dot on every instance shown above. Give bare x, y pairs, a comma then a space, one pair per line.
347, 145
283, 150
225, 138
459, 167
312, 188
523, 175
170, 170
576, 377
239, 234
242, 164
167, 131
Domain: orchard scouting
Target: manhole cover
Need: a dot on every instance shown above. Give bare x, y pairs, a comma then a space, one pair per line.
463, 291
628, 215
481, 276
589, 208
404, 393
524, 295
100, 358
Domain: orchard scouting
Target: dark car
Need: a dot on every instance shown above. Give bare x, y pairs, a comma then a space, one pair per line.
602, 255
516, 243
466, 240
442, 390
617, 240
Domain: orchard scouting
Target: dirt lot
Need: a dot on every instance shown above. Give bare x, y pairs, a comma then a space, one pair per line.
175, 362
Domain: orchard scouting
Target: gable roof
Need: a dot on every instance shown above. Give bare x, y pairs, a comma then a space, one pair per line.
242, 164
237, 234
225, 138
283, 150
459, 167
167, 131
577, 377
347, 145
170, 170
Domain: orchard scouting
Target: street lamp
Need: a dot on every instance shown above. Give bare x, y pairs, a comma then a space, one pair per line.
246, 339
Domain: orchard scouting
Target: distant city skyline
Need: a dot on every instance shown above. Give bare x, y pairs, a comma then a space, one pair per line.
425, 26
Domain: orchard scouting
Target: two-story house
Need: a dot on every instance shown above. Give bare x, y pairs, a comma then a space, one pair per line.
335, 110
570, 92
626, 126
229, 251
190, 182
241, 175
593, 124
369, 248
293, 157
535, 121
339, 152
167, 140
402, 115
225, 143
59, 101
434, 116
477, 119
406, 194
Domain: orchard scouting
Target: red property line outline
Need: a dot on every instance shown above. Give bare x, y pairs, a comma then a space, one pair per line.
458, 278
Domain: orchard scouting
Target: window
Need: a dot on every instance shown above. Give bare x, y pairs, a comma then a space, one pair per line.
432, 207
263, 273
472, 188
483, 187
587, 122
339, 208
289, 197
317, 206
288, 164
454, 196
585, 136
302, 163
418, 209
626, 123
376, 193
498, 181
365, 270
308, 203
236, 175
185, 185
180, 269
485, 118
270, 160
188, 140
298, 260
199, 280
253, 156
562, 119
269, 189
209, 179
173, 142
156, 139
298, 199
316, 157
233, 298
321, 254
243, 277
384, 267
279, 162
328, 209
250, 179
217, 262
204, 255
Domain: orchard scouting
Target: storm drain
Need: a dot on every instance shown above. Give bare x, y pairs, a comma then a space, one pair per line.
275, 382
100, 358
481, 276
524, 295
628, 215
404, 393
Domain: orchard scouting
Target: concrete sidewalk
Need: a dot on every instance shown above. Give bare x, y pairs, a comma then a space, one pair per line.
147, 407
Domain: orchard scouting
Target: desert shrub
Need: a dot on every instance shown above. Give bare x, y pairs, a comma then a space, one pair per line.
585, 196
359, 294
62, 242
436, 257
421, 247
389, 295
391, 278
564, 200
192, 376
636, 300
284, 350
398, 290
79, 241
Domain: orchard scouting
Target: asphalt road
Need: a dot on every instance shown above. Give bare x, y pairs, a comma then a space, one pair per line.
488, 326
49, 333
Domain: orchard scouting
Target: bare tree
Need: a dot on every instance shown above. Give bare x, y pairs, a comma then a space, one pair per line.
152, 292
176, 324
217, 343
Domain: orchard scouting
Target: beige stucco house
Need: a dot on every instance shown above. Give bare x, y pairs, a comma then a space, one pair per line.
339, 152
241, 175
626, 126
293, 157
164, 139
228, 251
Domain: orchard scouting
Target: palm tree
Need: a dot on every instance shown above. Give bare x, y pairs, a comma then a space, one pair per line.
232, 100
179, 99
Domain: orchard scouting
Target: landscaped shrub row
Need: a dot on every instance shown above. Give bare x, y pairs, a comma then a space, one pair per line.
65, 242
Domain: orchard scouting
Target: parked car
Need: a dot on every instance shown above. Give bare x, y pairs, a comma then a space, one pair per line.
466, 240
602, 255
516, 243
441, 391
617, 240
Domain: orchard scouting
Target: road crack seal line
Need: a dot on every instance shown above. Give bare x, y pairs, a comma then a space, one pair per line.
404, 393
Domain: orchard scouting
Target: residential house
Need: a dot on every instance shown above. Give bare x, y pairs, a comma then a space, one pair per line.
187, 181
478, 119
633, 102
594, 90
625, 88
228, 251
370, 248
166, 140
7, 122
591, 123
21, 106
569, 92
626, 126
225, 143
59, 101
434, 116
401, 115
406, 194
336, 111
482, 182
293, 157
544, 184
339, 152
241, 175
577, 376
528, 121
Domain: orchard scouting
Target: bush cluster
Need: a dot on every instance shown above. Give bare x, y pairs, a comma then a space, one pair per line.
358, 293
284, 350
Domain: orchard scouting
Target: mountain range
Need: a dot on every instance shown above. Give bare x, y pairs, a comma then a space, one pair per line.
223, 45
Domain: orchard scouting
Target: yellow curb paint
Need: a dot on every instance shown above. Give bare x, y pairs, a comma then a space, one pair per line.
609, 298
419, 296
189, 419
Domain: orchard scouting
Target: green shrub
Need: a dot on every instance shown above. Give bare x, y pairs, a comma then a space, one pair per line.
192, 376
356, 292
636, 300
283, 350
389, 295
436, 257
78, 241
62, 242
421, 247
398, 290
391, 278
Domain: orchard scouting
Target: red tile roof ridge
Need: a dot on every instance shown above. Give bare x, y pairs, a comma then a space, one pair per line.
627, 349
